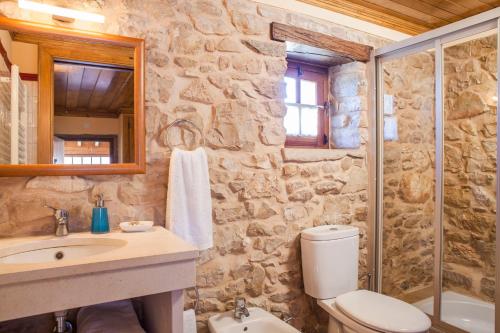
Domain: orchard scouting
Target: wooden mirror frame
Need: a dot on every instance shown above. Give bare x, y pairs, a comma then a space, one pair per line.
46, 97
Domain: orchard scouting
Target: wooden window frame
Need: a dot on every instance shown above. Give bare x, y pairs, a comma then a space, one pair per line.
319, 75
112, 139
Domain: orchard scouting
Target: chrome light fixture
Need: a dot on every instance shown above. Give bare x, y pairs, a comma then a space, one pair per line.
61, 12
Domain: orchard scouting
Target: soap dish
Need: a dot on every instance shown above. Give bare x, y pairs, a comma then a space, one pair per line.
136, 226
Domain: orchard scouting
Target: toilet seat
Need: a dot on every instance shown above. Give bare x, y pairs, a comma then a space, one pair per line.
377, 312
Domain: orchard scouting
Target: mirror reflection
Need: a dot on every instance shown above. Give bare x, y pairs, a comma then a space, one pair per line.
67, 105
93, 114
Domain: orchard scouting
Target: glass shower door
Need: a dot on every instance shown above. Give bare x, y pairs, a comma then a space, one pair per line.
469, 182
437, 174
407, 261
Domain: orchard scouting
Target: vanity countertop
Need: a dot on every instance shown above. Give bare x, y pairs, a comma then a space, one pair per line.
157, 246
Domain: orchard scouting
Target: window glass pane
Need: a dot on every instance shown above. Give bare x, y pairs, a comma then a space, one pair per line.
77, 160
309, 121
96, 160
292, 120
87, 160
68, 160
291, 93
308, 92
105, 160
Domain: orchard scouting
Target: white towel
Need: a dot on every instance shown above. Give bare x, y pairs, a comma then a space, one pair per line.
189, 204
116, 316
189, 321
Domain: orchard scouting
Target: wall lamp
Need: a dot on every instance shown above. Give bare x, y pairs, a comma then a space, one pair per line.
61, 13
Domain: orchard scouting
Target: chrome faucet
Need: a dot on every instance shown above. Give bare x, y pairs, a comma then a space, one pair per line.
61, 216
240, 308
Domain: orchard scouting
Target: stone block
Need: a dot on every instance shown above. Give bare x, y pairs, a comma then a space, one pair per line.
415, 188
328, 187
249, 24
247, 64
229, 214
350, 85
469, 104
232, 126
267, 48
229, 45
211, 25
198, 91
272, 135
185, 62
275, 108
346, 138
276, 67
269, 89
59, 184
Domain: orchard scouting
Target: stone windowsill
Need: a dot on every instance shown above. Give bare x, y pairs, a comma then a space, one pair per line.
306, 155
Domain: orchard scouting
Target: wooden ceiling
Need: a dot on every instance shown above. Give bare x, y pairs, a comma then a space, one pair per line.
409, 16
92, 91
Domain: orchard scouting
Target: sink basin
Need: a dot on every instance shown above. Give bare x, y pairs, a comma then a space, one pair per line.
259, 321
52, 250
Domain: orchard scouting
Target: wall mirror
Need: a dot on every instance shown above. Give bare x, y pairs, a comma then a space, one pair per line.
71, 101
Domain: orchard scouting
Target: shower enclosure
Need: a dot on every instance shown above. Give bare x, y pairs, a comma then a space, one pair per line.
437, 197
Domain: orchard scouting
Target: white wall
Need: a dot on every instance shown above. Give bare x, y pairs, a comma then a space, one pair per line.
25, 56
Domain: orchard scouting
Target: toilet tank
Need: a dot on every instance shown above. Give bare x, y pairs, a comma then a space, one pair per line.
330, 260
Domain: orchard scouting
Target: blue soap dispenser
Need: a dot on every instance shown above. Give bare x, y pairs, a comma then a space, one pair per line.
100, 222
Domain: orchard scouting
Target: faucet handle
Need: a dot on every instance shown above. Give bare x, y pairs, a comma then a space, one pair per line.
62, 214
58, 213
240, 302
287, 318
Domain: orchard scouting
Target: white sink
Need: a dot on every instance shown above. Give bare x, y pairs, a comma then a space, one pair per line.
51, 250
259, 321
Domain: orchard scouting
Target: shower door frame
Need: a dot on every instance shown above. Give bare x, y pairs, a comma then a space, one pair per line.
435, 39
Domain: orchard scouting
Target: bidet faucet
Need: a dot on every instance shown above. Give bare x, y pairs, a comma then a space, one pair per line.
61, 216
240, 308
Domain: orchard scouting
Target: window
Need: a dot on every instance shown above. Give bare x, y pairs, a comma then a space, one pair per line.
306, 121
87, 152
85, 149
86, 160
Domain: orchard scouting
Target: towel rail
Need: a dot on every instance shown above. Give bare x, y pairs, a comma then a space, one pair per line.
197, 301
179, 122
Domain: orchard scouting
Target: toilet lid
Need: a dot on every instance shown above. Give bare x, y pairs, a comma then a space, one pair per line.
382, 312
329, 232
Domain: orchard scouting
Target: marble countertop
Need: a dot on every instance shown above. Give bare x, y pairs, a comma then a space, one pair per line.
157, 246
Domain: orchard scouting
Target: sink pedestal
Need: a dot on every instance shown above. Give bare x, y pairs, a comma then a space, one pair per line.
164, 312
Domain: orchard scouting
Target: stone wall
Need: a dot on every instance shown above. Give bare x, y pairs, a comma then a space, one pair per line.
349, 121
470, 166
408, 233
212, 61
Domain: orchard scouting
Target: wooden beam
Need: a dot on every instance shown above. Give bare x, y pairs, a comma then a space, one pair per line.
84, 51
354, 51
83, 112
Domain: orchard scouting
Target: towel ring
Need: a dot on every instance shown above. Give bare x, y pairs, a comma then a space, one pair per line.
179, 122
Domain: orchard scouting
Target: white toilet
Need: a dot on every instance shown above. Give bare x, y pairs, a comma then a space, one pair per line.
330, 267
